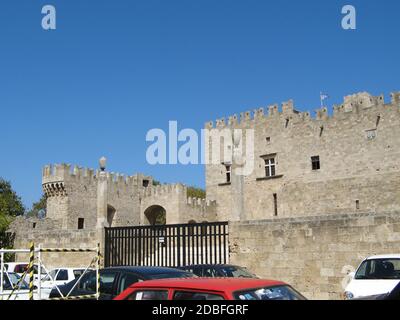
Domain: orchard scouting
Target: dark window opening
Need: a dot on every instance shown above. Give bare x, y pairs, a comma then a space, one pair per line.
34, 225
357, 204
81, 223
268, 139
146, 183
316, 165
228, 173
275, 204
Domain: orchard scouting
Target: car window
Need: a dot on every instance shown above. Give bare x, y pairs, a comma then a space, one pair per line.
6, 266
379, 269
126, 280
269, 293
88, 282
188, 295
77, 273
20, 268
235, 272
209, 272
149, 295
107, 282
51, 275
62, 275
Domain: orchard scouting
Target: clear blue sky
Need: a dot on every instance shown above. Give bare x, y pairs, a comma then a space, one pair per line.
115, 69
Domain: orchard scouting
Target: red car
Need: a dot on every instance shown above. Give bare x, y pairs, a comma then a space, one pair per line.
210, 289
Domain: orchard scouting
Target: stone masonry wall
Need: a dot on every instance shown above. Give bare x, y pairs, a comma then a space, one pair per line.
310, 253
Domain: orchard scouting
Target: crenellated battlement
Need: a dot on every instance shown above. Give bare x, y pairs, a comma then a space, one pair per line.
351, 104
201, 203
164, 189
56, 178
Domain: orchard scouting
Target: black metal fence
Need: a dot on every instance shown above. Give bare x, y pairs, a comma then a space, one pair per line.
167, 245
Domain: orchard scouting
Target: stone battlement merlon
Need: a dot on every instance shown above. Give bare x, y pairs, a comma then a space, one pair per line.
199, 202
352, 104
164, 189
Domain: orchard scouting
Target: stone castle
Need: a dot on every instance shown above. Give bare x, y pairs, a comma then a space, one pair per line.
320, 189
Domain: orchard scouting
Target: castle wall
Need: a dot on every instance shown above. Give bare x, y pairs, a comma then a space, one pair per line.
313, 253
354, 166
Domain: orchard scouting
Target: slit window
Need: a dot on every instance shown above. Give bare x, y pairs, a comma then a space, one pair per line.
81, 223
275, 205
315, 163
228, 173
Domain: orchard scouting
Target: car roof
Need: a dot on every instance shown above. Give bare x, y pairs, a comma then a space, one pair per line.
384, 256
210, 265
144, 269
212, 284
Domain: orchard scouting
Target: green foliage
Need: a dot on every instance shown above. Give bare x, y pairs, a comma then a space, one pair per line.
39, 209
196, 192
156, 183
10, 207
10, 204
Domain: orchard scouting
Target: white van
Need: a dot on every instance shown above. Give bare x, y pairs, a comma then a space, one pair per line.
375, 275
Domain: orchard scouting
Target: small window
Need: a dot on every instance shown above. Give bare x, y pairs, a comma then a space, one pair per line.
81, 223
268, 139
34, 225
187, 295
357, 204
228, 173
149, 295
146, 183
270, 167
275, 205
315, 163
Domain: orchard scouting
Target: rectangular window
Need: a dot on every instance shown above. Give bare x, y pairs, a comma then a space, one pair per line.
81, 223
228, 173
270, 167
275, 205
315, 163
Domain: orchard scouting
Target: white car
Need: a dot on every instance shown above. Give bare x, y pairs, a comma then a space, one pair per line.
375, 275
58, 277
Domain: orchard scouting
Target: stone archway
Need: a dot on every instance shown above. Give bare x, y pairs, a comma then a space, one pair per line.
156, 215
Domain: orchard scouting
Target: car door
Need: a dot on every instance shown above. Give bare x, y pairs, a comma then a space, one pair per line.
125, 280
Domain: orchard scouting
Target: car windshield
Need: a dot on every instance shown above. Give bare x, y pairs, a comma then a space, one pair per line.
168, 275
270, 293
235, 272
379, 269
14, 278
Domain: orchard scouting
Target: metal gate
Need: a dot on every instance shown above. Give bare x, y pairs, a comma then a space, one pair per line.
167, 245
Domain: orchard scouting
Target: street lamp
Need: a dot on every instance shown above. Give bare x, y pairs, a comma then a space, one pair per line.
102, 163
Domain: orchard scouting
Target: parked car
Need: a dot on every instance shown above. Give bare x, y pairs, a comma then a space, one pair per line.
58, 277
223, 270
393, 295
10, 281
115, 280
20, 267
376, 275
210, 289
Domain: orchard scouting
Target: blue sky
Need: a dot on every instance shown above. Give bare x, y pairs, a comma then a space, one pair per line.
115, 69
